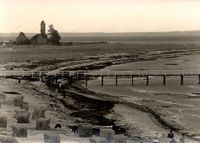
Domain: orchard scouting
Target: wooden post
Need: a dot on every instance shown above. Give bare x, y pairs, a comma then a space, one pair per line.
62, 74
23, 74
41, 78
182, 79
40, 74
147, 80
116, 80
132, 80
164, 79
86, 79
19, 80
199, 79
70, 80
102, 80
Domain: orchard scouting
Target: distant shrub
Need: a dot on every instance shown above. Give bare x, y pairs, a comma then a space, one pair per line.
54, 35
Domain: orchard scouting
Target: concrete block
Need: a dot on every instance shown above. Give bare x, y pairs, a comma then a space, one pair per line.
51, 138
38, 113
95, 131
3, 122
19, 131
42, 124
24, 106
22, 116
107, 133
84, 131
119, 139
7, 139
2, 97
18, 100
96, 139
165, 140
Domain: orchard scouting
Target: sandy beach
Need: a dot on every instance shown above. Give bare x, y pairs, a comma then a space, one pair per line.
91, 71
176, 105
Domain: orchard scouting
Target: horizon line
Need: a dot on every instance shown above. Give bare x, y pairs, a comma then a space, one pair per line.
108, 32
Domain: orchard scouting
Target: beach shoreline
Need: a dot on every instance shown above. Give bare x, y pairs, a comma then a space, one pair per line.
114, 104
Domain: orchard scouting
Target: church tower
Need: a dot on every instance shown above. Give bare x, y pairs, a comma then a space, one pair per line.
42, 28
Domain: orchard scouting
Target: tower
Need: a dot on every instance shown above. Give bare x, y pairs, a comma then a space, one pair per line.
42, 28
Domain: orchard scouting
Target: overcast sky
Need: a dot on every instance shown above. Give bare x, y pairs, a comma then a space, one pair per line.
100, 15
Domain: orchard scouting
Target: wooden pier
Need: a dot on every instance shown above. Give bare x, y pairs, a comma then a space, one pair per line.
87, 75
146, 77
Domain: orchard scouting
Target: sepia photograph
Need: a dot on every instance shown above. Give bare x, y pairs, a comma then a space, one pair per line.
99, 71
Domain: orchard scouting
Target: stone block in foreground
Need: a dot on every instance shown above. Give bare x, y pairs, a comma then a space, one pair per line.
3, 122
18, 100
2, 97
19, 131
84, 131
120, 139
42, 124
96, 139
7, 139
22, 116
107, 133
51, 138
38, 113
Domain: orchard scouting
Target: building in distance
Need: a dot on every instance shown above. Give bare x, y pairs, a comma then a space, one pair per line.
40, 38
22, 39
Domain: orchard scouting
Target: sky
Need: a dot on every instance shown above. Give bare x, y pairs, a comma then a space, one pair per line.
100, 15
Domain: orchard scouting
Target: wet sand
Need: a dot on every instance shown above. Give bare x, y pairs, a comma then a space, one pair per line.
155, 56
36, 94
177, 105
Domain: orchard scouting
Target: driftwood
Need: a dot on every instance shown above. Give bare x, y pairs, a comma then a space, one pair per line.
19, 131
51, 138
38, 113
3, 122
42, 124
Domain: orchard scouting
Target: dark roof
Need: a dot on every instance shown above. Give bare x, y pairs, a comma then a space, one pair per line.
22, 39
